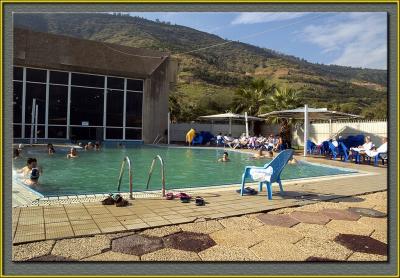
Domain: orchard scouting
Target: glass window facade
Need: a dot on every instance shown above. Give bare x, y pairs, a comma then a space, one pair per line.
77, 105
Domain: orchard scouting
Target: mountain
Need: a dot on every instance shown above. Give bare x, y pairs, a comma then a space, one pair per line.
208, 78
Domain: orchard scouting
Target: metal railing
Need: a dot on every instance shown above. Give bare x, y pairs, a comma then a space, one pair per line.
121, 173
162, 173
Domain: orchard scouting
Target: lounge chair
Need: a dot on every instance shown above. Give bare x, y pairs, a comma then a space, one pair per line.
269, 173
198, 139
379, 153
311, 147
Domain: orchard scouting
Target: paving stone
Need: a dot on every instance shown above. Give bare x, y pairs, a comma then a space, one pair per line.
350, 227
310, 217
367, 212
315, 231
118, 235
205, 227
189, 241
168, 254
51, 258
112, 256
30, 250
236, 238
340, 214
278, 251
79, 248
364, 244
224, 253
358, 256
278, 220
243, 223
378, 224
380, 235
324, 249
137, 244
162, 231
319, 259
278, 233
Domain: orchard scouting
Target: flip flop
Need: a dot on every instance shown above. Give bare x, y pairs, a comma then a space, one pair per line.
122, 203
108, 201
169, 196
248, 191
199, 201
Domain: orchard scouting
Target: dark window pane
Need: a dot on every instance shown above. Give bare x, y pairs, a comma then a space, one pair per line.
115, 108
85, 133
115, 83
17, 131
40, 131
58, 99
114, 133
59, 77
87, 106
133, 134
37, 91
18, 73
134, 109
17, 102
87, 80
36, 75
57, 132
134, 85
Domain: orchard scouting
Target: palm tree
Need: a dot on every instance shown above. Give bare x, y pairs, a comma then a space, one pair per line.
250, 99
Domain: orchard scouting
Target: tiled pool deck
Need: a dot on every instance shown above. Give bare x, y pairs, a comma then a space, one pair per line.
162, 223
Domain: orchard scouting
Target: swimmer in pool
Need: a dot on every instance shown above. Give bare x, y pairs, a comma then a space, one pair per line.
224, 158
293, 161
16, 153
72, 153
97, 146
50, 149
259, 155
31, 172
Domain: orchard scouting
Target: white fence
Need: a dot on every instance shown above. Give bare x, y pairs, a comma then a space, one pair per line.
321, 131
317, 131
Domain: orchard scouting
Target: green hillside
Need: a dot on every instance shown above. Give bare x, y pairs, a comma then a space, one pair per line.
208, 79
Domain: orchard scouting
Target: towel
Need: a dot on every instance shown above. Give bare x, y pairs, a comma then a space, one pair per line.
190, 135
261, 174
381, 149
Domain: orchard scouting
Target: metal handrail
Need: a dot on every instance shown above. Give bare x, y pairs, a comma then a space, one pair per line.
121, 173
162, 173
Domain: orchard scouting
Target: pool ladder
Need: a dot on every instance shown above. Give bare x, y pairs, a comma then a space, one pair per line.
121, 173
162, 173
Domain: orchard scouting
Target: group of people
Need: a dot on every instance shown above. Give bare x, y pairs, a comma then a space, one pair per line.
369, 148
31, 172
272, 143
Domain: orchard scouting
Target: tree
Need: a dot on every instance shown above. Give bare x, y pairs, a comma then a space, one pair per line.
251, 98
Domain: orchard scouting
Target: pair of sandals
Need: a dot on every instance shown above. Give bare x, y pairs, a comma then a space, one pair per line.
185, 198
248, 191
116, 200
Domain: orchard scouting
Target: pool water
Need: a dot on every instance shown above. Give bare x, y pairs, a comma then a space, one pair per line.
98, 171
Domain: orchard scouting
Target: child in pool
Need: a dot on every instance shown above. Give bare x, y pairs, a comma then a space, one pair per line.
224, 158
50, 149
72, 153
31, 172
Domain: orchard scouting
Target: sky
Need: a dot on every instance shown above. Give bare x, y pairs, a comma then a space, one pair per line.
356, 39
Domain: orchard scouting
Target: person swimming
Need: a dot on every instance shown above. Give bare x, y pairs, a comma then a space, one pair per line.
258, 155
16, 153
224, 158
31, 172
97, 146
72, 153
50, 149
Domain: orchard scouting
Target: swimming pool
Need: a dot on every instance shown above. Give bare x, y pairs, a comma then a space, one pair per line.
98, 171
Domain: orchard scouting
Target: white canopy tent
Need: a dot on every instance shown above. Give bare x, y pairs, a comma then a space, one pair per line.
229, 116
308, 114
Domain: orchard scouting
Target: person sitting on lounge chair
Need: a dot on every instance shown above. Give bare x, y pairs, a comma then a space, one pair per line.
278, 143
367, 146
375, 151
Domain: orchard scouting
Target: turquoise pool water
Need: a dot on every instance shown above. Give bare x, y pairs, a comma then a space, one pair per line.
97, 171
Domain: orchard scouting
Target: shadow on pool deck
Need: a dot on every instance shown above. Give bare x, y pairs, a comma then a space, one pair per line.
37, 223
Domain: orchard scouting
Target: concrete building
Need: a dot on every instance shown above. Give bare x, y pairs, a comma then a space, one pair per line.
89, 90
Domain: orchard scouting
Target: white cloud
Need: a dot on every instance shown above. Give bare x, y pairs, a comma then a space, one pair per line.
251, 18
358, 39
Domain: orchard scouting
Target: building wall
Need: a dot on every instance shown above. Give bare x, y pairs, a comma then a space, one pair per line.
155, 101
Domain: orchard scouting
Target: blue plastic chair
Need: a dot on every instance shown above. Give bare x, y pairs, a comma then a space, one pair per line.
343, 151
334, 151
311, 146
277, 164
325, 148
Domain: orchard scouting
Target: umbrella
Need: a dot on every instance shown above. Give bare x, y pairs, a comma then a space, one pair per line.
307, 114
229, 116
